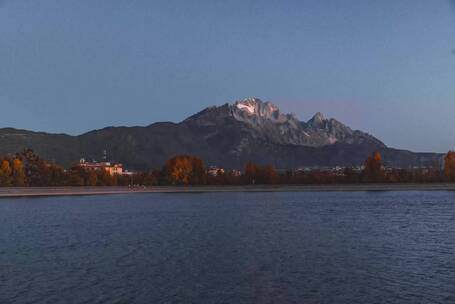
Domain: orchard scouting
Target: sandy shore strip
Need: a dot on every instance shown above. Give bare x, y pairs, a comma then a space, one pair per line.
64, 191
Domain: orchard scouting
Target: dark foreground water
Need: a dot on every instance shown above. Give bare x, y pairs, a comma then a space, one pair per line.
229, 248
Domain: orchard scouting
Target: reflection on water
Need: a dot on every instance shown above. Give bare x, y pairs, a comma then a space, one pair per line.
391, 247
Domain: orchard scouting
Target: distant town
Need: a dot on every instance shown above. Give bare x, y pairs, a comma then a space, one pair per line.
28, 169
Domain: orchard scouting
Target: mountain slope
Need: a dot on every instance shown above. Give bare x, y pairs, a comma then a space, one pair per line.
279, 128
229, 135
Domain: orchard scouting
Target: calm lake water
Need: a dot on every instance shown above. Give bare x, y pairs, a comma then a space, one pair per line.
377, 247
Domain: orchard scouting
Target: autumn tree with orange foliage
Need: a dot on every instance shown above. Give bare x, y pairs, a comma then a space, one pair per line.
12, 172
19, 178
373, 171
185, 170
449, 165
251, 173
269, 175
6, 179
255, 174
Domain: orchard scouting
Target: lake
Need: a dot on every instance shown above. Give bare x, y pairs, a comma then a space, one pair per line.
338, 247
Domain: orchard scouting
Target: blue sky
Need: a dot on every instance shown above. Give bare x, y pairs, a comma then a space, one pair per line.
386, 67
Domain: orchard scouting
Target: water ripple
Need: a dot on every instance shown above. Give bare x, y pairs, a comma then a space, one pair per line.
394, 247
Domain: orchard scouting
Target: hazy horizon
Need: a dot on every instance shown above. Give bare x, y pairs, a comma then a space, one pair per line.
385, 68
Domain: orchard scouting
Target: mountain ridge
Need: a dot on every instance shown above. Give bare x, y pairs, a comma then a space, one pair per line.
227, 136
318, 131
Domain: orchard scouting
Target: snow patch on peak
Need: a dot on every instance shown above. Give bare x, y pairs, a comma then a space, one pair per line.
255, 106
250, 108
251, 105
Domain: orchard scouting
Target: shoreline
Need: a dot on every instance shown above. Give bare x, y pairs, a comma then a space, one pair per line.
12, 192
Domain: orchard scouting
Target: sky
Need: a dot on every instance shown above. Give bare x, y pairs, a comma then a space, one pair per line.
385, 67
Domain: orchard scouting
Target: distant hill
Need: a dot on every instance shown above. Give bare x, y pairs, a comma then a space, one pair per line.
228, 136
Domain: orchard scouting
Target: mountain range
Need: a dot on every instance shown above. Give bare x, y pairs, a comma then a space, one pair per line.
227, 136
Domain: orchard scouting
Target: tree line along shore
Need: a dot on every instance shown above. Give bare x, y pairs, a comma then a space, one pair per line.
27, 169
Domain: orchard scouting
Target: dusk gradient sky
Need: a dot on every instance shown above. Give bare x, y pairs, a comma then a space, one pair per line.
386, 67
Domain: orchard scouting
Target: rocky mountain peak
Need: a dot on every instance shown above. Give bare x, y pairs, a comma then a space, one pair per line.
256, 107
317, 121
319, 116
263, 120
